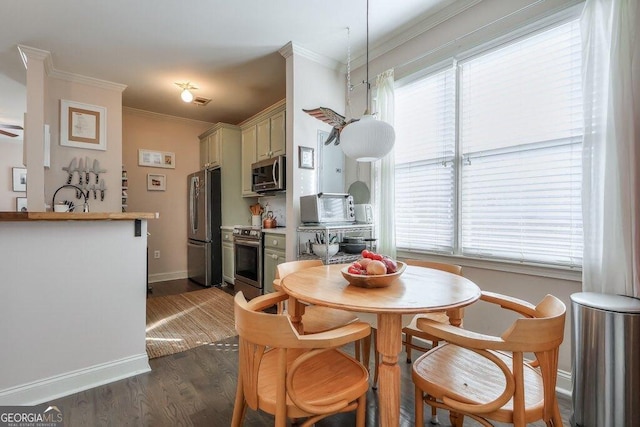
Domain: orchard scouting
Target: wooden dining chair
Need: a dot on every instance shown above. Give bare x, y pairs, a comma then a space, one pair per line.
409, 322
411, 330
316, 318
487, 377
294, 376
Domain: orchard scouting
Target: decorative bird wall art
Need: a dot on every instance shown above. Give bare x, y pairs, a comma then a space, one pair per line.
336, 120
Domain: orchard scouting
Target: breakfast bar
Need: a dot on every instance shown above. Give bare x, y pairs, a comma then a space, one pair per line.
75, 283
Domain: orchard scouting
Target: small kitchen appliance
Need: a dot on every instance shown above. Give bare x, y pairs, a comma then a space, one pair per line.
327, 208
364, 213
268, 176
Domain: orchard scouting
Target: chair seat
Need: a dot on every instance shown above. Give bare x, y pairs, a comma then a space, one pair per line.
320, 319
325, 375
466, 376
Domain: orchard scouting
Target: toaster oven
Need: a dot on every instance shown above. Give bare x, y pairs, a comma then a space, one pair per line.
327, 208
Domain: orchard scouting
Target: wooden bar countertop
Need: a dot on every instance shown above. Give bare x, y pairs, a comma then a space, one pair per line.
76, 216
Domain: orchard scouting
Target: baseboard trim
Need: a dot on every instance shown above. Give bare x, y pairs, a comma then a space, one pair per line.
47, 389
173, 275
563, 384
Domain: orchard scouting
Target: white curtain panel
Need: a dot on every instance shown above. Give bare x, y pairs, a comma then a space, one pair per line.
383, 169
611, 172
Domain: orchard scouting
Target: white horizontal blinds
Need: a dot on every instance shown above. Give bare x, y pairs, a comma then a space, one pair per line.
520, 139
424, 163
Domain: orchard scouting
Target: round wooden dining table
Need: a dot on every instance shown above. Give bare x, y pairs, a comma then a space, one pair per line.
417, 290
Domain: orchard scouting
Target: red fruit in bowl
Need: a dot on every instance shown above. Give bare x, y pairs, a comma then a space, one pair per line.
391, 265
354, 270
366, 253
376, 257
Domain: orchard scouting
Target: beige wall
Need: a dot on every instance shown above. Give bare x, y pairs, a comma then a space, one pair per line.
150, 131
10, 157
61, 156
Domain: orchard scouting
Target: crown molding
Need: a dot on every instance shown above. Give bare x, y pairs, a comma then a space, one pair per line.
292, 48
89, 81
410, 31
27, 52
162, 116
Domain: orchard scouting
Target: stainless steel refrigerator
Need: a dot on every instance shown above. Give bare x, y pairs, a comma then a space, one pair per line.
204, 246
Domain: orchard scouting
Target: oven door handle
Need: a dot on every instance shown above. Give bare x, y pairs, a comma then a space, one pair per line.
247, 242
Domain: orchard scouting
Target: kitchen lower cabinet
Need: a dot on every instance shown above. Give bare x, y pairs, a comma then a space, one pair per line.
274, 254
227, 257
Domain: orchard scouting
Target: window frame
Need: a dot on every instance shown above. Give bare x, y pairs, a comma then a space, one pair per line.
565, 272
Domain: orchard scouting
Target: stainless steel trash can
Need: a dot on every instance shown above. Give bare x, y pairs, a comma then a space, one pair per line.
606, 360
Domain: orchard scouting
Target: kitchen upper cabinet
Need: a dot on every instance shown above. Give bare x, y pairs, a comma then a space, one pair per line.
263, 137
270, 136
210, 146
204, 152
249, 156
224, 149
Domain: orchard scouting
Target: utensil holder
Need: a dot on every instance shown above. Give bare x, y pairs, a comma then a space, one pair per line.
256, 220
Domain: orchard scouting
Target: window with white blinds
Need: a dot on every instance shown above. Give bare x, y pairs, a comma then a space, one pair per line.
517, 148
425, 163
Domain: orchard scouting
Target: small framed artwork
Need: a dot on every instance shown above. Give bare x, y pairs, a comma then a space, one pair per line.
19, 179
305, 157
83, 125
157, 159
156, 182
21, 204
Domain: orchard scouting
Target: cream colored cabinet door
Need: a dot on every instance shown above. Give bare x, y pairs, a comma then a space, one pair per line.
204, 152
228, 262
214, 143
248, 158
271, 259
263, 130
277, 133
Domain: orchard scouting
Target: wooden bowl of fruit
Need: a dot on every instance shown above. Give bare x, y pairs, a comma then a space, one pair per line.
373, 271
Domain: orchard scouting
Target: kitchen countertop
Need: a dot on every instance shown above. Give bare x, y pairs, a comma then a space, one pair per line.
277, 230
75, 216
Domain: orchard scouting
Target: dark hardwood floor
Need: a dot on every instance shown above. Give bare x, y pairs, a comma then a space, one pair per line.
197, 388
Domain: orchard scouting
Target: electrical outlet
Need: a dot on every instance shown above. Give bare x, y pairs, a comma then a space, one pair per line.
156, 254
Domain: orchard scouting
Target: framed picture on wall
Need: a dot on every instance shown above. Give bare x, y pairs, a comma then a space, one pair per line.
156, 182
20, 179
157, 159
305, 157
83, 125
21, 204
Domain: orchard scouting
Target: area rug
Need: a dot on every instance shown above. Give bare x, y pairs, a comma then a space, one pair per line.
180, 322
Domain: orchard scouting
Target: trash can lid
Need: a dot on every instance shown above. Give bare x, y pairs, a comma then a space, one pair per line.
609, 302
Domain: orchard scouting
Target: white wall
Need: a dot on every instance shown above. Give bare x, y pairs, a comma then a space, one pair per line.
69, 320
61, 156
312, 82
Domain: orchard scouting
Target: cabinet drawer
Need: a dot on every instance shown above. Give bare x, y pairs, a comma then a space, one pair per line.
227, 236
275, 241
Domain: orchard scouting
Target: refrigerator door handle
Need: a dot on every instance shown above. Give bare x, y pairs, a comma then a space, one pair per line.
194, 190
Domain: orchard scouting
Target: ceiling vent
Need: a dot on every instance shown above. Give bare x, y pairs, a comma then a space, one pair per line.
198, 100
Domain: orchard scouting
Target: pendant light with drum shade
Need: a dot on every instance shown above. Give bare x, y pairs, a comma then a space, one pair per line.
367, 139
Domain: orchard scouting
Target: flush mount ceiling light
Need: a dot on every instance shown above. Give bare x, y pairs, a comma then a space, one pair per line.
367, 139
186, 94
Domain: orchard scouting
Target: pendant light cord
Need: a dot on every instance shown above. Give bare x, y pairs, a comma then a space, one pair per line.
368, 85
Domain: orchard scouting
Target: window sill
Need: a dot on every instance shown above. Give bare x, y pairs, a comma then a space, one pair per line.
564, 273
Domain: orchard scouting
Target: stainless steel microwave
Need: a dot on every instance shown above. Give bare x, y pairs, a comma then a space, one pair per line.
327, 208
268, 175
